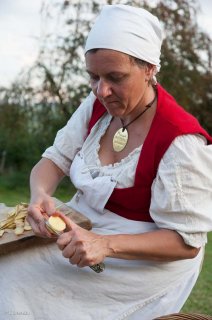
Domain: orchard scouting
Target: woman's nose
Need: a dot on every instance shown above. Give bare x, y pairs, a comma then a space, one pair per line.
103, 88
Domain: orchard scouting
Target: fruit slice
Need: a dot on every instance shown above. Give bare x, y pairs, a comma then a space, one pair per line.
56, 223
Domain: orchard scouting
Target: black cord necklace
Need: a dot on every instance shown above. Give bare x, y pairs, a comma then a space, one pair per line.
120, 138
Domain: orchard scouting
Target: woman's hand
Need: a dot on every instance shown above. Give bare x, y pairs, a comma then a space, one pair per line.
81, 247
44, 179
38, 210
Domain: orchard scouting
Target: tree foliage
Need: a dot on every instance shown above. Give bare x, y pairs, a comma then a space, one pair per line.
44, 97
186, 59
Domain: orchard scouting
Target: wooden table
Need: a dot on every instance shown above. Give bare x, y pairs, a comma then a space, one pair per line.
10, 242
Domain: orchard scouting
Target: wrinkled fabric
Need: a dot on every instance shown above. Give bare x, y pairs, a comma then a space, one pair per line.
130, 30
39, 283
182, 190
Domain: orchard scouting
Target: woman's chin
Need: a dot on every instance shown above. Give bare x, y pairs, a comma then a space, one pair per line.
114, 109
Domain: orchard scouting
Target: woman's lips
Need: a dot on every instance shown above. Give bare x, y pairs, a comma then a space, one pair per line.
107, 103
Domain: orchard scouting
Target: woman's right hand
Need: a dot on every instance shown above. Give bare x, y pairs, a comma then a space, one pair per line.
40, 207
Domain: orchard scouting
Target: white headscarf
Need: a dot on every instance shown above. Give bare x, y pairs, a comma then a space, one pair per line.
127, 29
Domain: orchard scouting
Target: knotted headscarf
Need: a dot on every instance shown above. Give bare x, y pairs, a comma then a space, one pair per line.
127, 29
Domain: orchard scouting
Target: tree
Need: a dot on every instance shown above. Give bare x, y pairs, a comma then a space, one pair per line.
186, 58
44, 97
186, 54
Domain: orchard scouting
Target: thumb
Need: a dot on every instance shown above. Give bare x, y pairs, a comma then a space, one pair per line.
49, 207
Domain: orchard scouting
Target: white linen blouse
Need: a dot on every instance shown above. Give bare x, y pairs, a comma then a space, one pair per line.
182, 190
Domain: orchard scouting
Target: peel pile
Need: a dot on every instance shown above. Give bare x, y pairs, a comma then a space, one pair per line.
15, 221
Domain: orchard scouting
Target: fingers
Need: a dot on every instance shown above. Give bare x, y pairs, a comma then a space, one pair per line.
39, 211
81, 247
69, 244
34, 213
64, 240
75, 256
76, 259
68, 248
36, 219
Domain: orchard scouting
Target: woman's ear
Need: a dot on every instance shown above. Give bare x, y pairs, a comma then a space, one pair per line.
150, 73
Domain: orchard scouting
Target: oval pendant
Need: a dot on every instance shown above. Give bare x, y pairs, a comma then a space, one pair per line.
120, 140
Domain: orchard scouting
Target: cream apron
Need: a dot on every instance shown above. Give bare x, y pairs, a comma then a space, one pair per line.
39, 283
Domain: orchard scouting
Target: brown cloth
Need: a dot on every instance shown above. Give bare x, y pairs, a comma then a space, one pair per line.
180, 316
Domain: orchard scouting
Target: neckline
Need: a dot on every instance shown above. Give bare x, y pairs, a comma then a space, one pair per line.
102, 130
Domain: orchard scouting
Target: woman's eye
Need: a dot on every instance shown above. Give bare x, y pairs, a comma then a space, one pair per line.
110, 78
94, 78
116, 79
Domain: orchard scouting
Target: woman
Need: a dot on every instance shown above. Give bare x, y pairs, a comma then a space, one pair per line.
140, 164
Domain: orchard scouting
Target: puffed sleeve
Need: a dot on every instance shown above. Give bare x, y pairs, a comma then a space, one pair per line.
182, 190
70, 138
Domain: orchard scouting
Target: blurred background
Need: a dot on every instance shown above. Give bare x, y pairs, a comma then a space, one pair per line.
42, 82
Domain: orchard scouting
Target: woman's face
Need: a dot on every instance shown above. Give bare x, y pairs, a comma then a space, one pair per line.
117, 81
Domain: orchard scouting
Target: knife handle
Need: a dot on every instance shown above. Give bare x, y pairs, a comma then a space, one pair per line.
99, 267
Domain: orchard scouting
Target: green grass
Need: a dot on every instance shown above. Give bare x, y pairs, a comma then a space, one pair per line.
12, 192
200, 300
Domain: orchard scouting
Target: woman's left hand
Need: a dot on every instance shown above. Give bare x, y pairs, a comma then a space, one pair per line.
80, 246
